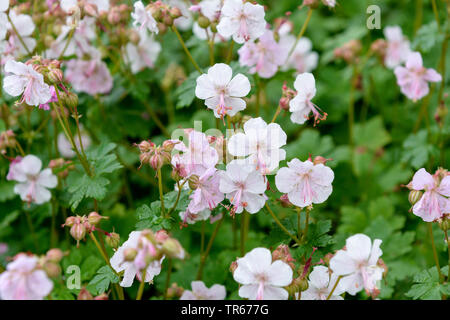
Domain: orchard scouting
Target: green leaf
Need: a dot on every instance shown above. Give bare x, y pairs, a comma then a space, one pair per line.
427, 37
102, 280
426, 285
7, 191
151, 218
417, 149
371, 135
186, 91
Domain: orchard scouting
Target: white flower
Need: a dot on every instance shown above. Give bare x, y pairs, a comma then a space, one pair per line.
191, 218
302, 59
22, 280
33, 182
329, 3
243, 21
261, 142
397, 47
244, 187
222, 93
144, 18
25, 80
130, 268
201, 292
144, 54
357, 264
4, 5
207, 194
260, 278
184, 22
304, 182
65, 147
320, 284
301, 105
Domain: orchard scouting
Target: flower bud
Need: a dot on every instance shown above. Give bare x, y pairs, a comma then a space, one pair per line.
102, 296
55, 76
174, 291
233, 266
193, 182
70, 221
175, 12
444, 223
54, 255
113, 240
284, 201
94, 218
321, 160
161, 236
414, 196
52, 269
168, 145
313, 4
71, 100
85, 295
129, 254
203, 22
168, 21
156, 162
78, 231
213, 27
172, 248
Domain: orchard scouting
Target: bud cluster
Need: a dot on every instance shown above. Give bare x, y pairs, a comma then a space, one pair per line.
50, 262
61, 167
50, 69
163, 14
349, 52
156, 156
80, 225
286, 96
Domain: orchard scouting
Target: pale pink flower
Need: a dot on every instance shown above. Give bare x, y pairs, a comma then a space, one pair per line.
243, 21
143, 18
305, 182
221, 92
90, 76
197, 156
435, 200
321, 282
413, 80
262, 279
357, 264
301, 106
264, 57
397, 47
302, 59
201, 292
22, 280
329, 3
207, 194
33, 183
261, 142
191, 218
53, 98
23, 79
244, 187
144, 54
134, 268
65, 147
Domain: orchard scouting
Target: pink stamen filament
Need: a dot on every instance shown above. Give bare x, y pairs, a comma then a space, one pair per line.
260, 292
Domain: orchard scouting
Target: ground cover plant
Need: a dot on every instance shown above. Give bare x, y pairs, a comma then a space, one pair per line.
224, 149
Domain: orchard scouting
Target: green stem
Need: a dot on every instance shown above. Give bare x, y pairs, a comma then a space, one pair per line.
31, 227
169, 272
18, 35
275, 116
69, 38
281, 225
334, 287
230, 52
305, 232
302, 31
242, 238
141, 285
435, 255
448, 251
202, 238
161, 197
208, 249
186, 50
436, 14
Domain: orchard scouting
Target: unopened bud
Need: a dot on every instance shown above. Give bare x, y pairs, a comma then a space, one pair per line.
129, 254
172, 248
203, 22
94, 218
70, 221
102, 296
71, 100
55, 76
193, 181
85, 295
444, 224
78, 231
175, 12
414, 196
233, 266
321, 160
54, 255
113, 240
156, 162
52, 269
